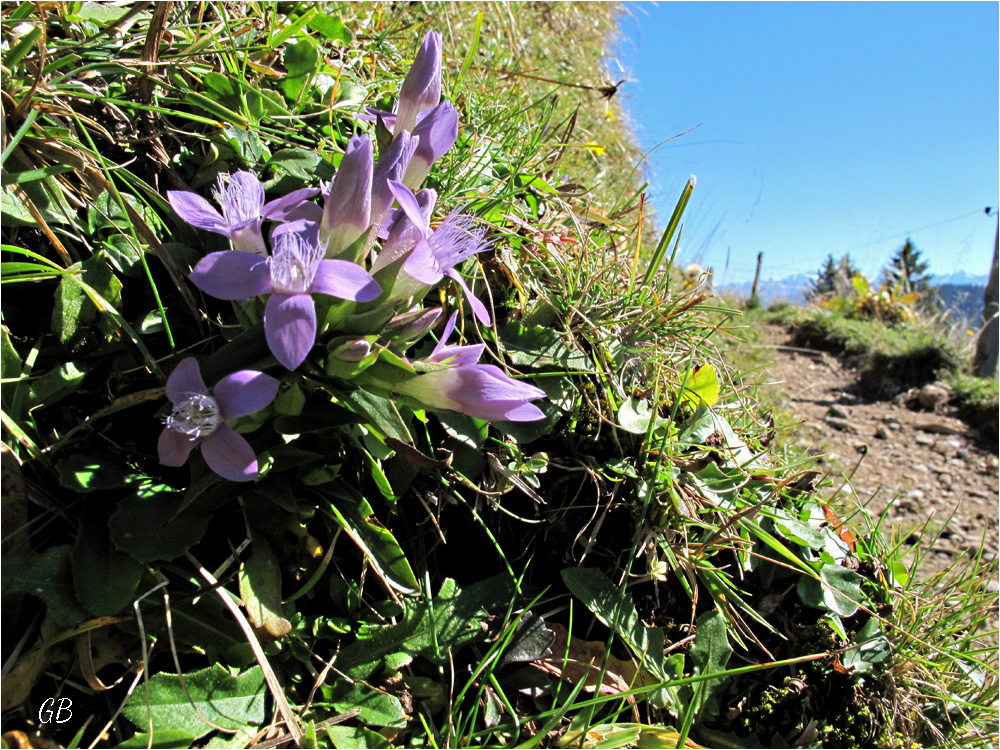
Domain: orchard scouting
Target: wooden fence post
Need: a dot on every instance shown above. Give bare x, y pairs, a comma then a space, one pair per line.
985, 362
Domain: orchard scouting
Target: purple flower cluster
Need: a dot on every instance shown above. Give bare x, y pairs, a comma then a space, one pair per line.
322, 250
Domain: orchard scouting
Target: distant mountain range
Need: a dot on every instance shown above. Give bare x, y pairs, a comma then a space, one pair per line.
960, 292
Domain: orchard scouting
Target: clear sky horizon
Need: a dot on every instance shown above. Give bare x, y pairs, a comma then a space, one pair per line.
820, 128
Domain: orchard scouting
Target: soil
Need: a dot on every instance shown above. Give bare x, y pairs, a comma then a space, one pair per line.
895, 456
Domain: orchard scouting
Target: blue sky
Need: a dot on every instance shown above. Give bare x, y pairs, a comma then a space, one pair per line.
821, 128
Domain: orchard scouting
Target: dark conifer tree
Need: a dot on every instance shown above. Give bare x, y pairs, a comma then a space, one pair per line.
907, 273
833, 278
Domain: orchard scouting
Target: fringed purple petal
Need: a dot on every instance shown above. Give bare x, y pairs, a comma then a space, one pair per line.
477, 307
423, 265
244, 392
346, 280
174, 447
229, 455
243, 197
295, 205
197, 211
290, 327
232, 274
185, 380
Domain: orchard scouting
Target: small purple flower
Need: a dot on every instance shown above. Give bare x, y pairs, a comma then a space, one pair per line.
436, 255
421, 88
481, 391
243, 210
200, 417
437, 131
295, 271
347, 209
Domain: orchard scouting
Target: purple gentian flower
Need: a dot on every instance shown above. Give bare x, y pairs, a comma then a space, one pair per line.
481, 391
437, 131
347, 209
200, 417
243, 210
436, 255
421, 88
295, 271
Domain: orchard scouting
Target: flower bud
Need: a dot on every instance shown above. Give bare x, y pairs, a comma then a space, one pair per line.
347, 210
411, 325
437, 131
421, 88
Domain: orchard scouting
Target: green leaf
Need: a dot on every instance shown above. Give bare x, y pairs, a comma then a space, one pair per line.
615, 609
701, 386
377, 708
107, 212
346, 738
380, 412
433, 629
56, 384
91, 472
874, 649
122, 253
49, 577
709, 655
104, 578
301, 61
260, 588
540, 346
102, 12
634, 416
147, 526
305, 166
331, 27
71, 309
219, 84
204, 626
166, 738
838, 590
228, 701
375, 541
699, 427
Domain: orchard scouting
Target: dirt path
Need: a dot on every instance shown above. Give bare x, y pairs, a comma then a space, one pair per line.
918, 464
